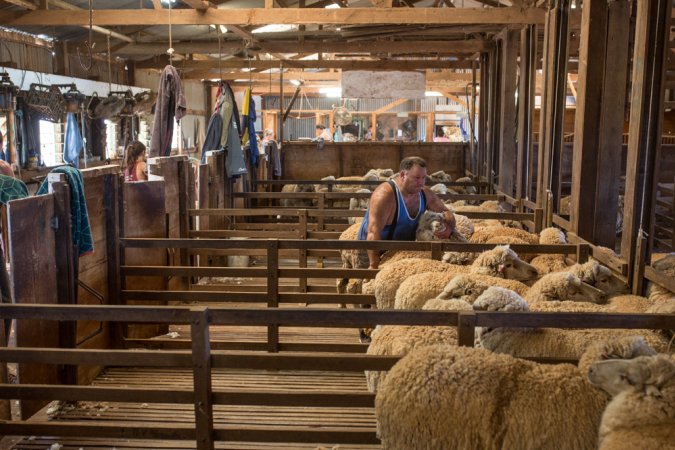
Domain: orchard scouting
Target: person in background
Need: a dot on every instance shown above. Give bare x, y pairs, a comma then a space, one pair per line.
135, 168
369, 134
5, 167
323, 133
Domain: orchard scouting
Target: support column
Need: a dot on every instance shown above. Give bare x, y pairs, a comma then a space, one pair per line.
644, 138
507, 135
481, 170
598, 128
527, 83
553, 99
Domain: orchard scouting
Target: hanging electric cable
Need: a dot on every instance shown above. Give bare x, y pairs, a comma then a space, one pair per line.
170, 49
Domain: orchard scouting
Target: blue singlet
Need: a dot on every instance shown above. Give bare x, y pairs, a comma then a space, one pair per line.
406, 226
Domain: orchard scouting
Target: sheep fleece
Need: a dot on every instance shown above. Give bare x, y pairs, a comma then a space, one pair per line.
445, 397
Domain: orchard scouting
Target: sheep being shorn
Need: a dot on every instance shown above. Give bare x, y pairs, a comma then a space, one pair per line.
449, 397
641, 413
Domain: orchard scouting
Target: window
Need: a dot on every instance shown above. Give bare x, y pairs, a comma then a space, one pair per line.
111, 139
51, 143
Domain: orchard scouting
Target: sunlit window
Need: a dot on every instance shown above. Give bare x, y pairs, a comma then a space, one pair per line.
51, 143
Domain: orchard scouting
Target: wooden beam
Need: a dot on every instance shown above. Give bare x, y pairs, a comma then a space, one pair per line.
526, 96
644, 136
388, 106
199, 5
96, 28
23, 3
309, 47
299, 16
507, 134
407, 64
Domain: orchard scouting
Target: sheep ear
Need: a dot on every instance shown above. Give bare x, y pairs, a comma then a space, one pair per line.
653, 391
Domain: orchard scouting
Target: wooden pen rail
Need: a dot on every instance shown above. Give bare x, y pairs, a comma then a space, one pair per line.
201, 359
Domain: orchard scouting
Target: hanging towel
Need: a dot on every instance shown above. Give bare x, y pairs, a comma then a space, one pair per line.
11, 188
74, 142
170, 104
79, 217
248, 127
213, 133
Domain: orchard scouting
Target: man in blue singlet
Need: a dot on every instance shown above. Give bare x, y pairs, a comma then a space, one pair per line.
396, 207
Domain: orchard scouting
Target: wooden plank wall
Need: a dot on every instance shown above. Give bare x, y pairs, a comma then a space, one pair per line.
303, 161
33, 278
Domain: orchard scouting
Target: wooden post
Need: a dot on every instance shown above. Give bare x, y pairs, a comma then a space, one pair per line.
601, 92
507, 131
466, 328
302, 253
201, 372
555, 88
472, 121
273, 292
646, 114
281, 104
111, 198
527, 82
185, 202
637, 286
482, 117
66, 280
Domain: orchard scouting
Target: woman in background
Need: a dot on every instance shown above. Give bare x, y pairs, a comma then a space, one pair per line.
135, 168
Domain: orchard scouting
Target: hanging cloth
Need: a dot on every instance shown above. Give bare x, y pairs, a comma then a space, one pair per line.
248, 127
230, 140
79, 217
170, 104
213, 133
74, 142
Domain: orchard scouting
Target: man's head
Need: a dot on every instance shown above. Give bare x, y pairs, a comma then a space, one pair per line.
413, 174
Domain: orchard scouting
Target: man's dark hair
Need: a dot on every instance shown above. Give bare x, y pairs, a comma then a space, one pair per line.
412, 161
320, 127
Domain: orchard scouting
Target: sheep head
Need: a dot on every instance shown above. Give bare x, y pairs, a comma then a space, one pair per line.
646, 374
463, 287
566, 286
430, 223
595, 274
497, 298
613, 348
503, 262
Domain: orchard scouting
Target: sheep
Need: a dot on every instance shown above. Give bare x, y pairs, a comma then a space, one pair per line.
482, 235
666, 265
297, 202
541, 342
419, 288
550, 262
439, 189
599, 276
563, 286
465, 189
501, 262
351, 259
449, 397
440, 177
399, 340
358, 204
641, 413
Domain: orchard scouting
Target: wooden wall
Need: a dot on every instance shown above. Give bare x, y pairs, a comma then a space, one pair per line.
304, 161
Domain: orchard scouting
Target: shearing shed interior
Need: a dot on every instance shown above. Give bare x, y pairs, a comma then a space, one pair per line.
185, 203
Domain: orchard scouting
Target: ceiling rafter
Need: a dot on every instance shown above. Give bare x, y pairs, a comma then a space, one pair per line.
299, 16
408, 64
95, 28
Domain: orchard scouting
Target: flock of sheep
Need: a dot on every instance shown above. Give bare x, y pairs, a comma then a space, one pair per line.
442, 396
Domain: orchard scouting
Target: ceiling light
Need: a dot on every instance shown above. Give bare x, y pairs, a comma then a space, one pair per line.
223, 29
331, 91
295, 82
332, 6
432, 94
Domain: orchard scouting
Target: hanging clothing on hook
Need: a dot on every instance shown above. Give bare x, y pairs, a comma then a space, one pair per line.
170, 105
248, 127
74, 143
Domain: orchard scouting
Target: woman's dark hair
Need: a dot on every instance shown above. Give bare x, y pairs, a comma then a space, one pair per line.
412, 161
133, 151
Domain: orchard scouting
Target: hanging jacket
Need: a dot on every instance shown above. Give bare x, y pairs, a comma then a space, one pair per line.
73, 142
248, 125
213, 133
170, 104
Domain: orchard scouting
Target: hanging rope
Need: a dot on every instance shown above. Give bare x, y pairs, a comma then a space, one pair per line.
89, 45
220, 54
170, 49
109, 68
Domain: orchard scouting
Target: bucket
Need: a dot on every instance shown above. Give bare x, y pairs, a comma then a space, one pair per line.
238, 261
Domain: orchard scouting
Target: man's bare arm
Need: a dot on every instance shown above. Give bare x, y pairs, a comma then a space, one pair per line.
382, 205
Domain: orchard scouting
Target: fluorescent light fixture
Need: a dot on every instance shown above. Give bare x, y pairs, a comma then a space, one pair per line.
432, 94
274, 28
223, 29
332, 6
212, 26
331, 91
169, 1
295, 82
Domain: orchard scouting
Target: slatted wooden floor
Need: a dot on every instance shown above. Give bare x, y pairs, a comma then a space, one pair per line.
288, 418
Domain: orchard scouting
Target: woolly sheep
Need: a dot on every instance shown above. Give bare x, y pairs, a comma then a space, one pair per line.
440, 177
501, 262
358, 204
666, 265
542, 342
641, 413
297, 202
599, 276
350, 258
563, 286
399, 340
449, 397
439, 189
419, 288
465, 189
550, 262
482, 235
